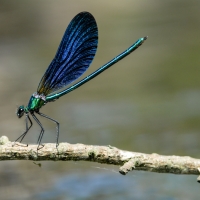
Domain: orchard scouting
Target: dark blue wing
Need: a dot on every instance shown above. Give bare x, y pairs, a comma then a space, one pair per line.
75, 53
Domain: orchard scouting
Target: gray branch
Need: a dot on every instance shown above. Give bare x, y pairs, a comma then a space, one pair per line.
127, 160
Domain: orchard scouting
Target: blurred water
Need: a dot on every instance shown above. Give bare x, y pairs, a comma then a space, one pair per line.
112, 186
149, 102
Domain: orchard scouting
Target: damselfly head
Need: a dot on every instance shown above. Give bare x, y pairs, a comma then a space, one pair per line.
20, 111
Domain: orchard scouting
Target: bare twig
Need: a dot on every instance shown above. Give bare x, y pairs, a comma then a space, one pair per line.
101, 154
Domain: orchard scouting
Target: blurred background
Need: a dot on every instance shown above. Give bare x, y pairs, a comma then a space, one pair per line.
149, 102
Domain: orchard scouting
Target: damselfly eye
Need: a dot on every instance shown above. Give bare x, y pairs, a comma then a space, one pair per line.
20, 111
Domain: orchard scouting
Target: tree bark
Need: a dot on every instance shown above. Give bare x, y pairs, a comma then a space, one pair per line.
127, 160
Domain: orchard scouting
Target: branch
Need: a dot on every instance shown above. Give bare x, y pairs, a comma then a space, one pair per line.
101, 154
